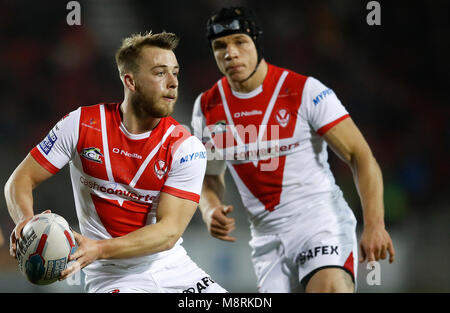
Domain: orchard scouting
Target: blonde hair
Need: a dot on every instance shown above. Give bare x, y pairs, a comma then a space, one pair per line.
127, 56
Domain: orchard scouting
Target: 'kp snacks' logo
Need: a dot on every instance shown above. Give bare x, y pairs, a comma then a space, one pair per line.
160, 168
92, 154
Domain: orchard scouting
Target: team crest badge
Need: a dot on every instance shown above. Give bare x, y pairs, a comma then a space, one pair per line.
283, 117
160, 168
220, 127
92, 154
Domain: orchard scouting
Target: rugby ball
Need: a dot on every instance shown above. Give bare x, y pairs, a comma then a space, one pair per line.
44, 248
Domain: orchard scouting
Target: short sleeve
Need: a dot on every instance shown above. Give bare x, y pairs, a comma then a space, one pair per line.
198, 121
321, 107
59, 146
185, 178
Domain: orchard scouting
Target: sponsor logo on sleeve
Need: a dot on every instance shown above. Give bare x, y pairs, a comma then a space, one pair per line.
322, 95
92, 154
193, 156
48, 142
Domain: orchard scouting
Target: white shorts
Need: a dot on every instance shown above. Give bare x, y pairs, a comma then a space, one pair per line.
175, 273
324, 237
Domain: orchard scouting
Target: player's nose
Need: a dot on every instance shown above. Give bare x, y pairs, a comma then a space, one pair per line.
172, 81
231, 52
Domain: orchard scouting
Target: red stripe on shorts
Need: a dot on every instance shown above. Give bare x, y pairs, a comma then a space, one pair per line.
349, 264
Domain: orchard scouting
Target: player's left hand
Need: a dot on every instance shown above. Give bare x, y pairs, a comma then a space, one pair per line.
375, 243
87, 252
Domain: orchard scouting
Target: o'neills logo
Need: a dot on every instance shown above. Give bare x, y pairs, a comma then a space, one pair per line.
247, 113
126, 153
113, 189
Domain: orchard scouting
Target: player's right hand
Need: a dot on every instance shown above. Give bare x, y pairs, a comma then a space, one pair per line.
219, 224
17, 233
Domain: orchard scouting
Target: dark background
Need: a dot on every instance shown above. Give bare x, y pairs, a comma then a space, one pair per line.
392, 78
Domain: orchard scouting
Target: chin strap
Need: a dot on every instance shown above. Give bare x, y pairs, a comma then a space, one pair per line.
252, 73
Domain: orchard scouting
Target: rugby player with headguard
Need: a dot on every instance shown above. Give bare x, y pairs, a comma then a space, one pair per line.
271, 127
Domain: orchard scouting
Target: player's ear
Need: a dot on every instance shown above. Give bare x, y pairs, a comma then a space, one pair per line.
129, 82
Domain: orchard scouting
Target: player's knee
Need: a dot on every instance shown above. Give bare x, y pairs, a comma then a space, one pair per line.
330, 281
336, 286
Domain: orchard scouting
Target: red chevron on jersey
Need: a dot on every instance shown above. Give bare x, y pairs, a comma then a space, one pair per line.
254, 121
271, 139
270, 184
117, 176
120, 220
219, 106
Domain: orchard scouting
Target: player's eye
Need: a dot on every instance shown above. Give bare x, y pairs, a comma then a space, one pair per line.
241, 41
219, 45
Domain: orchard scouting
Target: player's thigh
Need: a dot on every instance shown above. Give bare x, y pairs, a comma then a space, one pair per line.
330, 259
278, 278
181, 274
330, 279
126, 283
331, 244
273, 271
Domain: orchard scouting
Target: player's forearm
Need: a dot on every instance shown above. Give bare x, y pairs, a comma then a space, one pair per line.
369, 182
19, 197
212, 192
146, 240
19, 188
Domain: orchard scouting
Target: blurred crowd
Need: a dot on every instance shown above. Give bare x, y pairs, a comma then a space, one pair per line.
392, 78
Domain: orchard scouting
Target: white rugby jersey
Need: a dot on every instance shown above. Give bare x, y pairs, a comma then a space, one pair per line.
117, 176
272, 141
